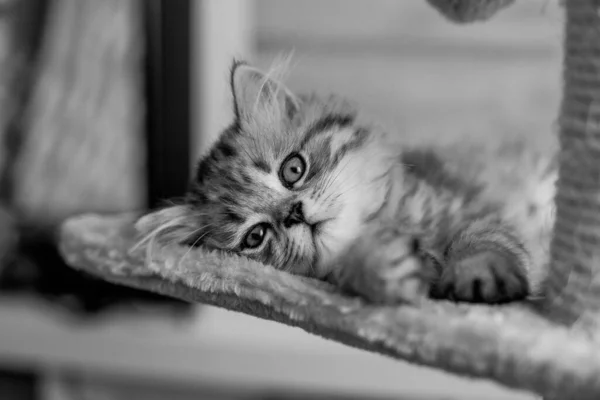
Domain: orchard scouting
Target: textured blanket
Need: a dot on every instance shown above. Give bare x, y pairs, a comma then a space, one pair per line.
513, 345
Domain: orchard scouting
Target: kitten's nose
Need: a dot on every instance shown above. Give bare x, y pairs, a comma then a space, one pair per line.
296, 215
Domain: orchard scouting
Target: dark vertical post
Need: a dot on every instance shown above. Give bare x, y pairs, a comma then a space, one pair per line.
168, 33
18, 385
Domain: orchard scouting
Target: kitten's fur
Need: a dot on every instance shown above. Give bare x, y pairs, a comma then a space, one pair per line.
388, 223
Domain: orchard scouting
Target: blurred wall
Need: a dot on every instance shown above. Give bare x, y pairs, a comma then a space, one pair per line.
223, 30
425, 77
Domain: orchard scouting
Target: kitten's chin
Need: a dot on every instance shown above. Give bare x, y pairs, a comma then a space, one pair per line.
304, 268
300, 258
315, 257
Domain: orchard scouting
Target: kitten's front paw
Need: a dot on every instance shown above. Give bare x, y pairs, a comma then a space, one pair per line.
388, 270
487, 276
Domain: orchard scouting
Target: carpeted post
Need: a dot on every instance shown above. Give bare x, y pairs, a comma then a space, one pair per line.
574, 282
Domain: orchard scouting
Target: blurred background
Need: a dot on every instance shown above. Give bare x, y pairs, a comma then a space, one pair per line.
106, 105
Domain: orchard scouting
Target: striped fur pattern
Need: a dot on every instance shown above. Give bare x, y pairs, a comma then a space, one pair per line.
304, 184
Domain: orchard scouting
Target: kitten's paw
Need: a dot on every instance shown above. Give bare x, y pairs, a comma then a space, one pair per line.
483, 277
391, 272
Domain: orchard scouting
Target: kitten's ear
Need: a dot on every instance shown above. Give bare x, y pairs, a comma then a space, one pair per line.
169, 225
258, 94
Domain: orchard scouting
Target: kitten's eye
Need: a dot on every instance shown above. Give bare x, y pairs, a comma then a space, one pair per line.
292, 169
255, 237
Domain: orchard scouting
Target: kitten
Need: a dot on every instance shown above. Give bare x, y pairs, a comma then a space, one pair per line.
302, 184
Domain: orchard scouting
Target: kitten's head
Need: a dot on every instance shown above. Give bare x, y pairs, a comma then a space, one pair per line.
289, 182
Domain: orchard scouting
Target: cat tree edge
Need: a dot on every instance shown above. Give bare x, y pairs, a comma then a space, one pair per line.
510, 345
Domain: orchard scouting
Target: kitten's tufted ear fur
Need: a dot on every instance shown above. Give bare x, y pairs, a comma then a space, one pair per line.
169, 225
260, 95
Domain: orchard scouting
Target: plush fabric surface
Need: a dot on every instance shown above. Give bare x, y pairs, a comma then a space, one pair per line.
513, 345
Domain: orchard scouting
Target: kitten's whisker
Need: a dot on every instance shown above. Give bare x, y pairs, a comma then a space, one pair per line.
339, 194
155, 232
348, 189
181, 260
333, 178
341, 168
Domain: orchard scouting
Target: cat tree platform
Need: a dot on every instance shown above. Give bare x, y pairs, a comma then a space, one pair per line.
512, 345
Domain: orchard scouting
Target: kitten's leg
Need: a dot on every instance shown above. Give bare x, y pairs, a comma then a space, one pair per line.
485, 262
387, 266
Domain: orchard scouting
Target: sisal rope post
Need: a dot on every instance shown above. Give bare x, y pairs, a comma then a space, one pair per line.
573, 289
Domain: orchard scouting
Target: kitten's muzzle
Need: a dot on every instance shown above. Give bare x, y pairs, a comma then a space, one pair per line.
295, 216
